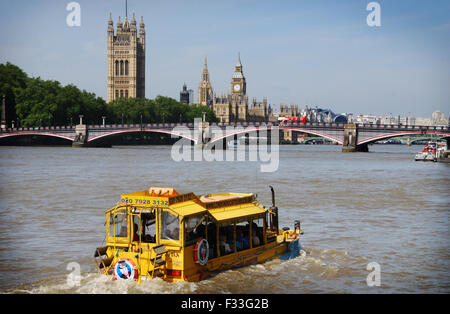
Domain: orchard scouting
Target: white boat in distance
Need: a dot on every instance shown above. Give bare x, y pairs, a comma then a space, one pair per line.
432, 151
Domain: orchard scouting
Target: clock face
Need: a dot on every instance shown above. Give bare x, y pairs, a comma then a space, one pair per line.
237, 87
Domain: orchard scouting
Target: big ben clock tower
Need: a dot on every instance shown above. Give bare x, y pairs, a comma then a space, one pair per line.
238, 84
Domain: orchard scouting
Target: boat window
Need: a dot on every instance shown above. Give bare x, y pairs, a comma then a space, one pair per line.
226, 239
118, 223
242, 236
148, 228
136, 227
257, 232
170, 226
195, 228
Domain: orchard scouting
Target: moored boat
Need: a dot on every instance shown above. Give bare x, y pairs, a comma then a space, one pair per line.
183, 237
431, 152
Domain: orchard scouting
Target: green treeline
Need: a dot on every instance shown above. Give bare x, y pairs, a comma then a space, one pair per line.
35, 102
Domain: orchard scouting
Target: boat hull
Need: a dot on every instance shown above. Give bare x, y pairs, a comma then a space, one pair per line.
193, 272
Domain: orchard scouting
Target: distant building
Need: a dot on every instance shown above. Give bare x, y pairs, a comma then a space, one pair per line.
258, 111
184, 95
289, 111
126, 59
312, 114
234, 106
437, 119
205, 91
191, 96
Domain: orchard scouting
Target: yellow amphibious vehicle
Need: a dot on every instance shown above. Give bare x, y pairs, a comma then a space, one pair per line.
183, 237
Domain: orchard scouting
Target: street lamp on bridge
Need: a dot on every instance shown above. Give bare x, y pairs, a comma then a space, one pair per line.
104, 120
81, 119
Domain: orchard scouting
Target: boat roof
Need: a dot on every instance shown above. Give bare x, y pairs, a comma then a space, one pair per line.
220, 206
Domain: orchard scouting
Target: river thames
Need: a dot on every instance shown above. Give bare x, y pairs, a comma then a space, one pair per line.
355, 208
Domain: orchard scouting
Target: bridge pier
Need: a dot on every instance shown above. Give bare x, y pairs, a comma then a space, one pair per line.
351, 139
204, 134
81, 134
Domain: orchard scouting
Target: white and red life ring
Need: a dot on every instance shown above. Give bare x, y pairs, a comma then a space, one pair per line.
201, 252
125, 269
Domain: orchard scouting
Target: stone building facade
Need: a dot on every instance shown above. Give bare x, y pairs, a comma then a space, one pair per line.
205, 91
126, 59
233, 107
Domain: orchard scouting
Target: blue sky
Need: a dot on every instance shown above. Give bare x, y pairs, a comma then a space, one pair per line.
294, 52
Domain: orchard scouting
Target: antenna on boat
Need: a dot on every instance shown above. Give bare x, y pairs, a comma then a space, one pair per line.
273, 195
274, 212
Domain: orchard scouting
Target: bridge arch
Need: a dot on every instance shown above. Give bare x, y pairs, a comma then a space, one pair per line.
241, 130
377, 138
327, 136
31, 133
94, 138
270, 128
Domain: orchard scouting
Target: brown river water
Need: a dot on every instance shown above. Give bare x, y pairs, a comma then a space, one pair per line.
355, 208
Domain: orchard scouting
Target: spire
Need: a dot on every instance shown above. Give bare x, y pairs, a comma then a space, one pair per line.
239, 60
205, 74
110, 25
119, 25
126, 25
142, 27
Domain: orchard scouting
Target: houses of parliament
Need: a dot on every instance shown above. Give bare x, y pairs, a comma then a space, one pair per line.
126, 46
233, 107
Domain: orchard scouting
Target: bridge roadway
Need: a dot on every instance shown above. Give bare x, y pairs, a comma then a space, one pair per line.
353, 137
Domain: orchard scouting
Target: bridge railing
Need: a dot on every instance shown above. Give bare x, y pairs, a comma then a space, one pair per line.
243, 124
39, 129
401, 126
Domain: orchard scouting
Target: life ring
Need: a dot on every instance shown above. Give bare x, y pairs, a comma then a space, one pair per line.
125, 269
291, 235
201, 252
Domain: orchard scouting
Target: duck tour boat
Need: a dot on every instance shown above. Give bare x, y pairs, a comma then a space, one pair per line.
183, 237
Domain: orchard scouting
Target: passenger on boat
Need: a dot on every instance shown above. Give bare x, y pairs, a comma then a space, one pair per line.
224, 246
241, 241
255, 239
123, 232
174, 235
149, 230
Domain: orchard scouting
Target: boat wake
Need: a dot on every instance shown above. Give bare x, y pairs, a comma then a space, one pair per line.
314, 271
